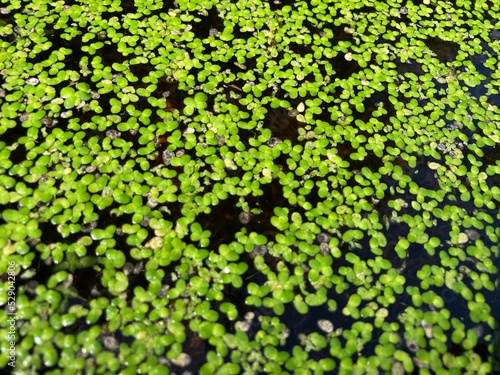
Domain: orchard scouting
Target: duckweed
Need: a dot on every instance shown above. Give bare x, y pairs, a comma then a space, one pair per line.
250, 186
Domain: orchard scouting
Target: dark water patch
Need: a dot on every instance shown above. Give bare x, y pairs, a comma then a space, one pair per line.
313, 28
272, 197
245, 35
55, 36
410, 66
43, 272
480, 89
479, 59
343, 68
340, 34
208, 23
494, 34
300, 49
246, 136
481, 349
281, 161
345, 150
441, 87
444, 50
49, 235
494, 100
417, 257
381, 97
492, 157
305, 324
169, 89
222, 221
129, 6
424, 176
84, 281
366, 9
171, 211
108, 217
140, 70
440, 226
197, 348
371, 160
393, 230
9, 38
235, 67
18, 154
282, 125
110, 54
12, 136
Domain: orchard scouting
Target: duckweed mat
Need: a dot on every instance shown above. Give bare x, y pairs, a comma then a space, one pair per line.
246, 187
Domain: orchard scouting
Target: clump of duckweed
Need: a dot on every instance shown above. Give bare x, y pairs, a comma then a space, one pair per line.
250, 187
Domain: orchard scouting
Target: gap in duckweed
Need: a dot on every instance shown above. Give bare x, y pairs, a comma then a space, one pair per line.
209, 23
85, 281
19, 153
282, 125
12, 137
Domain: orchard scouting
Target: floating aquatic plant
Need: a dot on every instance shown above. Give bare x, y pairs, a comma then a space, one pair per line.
229, 174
